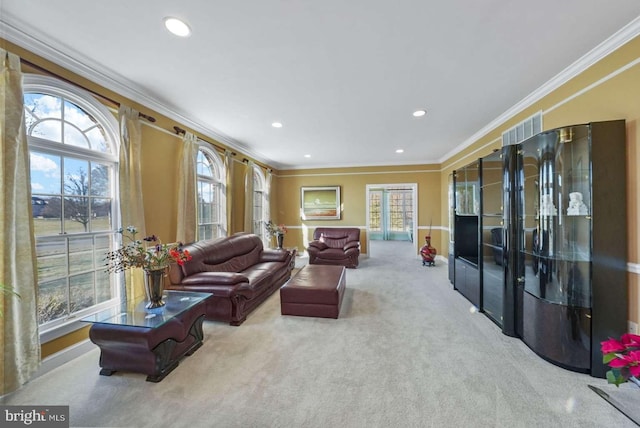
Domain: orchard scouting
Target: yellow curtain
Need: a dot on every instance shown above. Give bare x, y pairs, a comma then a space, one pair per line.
20, 342
227, 193
248, 197
187, 211
130, 175
267, 194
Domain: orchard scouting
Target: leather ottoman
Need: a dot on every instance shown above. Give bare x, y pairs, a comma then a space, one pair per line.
315, 291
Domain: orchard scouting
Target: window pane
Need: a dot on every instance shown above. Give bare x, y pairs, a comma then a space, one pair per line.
205, 231
52, 301
203, 165
74, 137
97, 140
101, 214
52, 259
104, 289
76, 179
101, 246
77, 116
43, 106
81, 254
49, 129
48, 221
44, 115
205, 196
45, 173
76, 215
100, 179
81, 292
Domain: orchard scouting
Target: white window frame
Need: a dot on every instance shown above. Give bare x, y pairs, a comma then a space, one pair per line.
48, 85
218, 181
260, 192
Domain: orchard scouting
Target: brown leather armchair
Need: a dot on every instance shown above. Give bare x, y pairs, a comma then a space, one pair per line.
335, 246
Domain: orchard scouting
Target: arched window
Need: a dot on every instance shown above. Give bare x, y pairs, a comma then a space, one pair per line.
73, 159
210, 186
261, 189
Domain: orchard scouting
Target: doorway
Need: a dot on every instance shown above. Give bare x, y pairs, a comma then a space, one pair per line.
391, 212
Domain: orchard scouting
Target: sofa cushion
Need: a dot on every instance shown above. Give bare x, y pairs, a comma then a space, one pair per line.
229, 255
319, 245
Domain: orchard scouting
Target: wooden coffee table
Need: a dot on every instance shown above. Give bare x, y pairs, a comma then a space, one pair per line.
146, 341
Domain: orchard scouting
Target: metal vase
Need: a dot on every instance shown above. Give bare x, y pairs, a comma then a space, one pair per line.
280, 240
154, 287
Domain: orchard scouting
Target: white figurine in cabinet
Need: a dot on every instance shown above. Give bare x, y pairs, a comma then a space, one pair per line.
576, 206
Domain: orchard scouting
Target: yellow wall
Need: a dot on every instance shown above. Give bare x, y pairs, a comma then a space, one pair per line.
617, 98
353, 183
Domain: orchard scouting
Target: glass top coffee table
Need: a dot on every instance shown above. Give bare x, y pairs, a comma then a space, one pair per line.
176, 302
149, 341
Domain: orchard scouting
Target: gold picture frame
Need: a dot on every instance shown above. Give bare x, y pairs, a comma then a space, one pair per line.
320, 203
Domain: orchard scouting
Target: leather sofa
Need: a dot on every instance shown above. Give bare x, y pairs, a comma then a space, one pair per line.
335, 246
237, 270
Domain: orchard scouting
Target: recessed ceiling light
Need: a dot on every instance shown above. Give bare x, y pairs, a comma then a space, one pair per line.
399, 151
276, 125
419, 113
177, 27
307, 156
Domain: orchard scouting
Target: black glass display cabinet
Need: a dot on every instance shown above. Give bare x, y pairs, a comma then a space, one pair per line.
451, 219
491, 237
465, 246
571, 257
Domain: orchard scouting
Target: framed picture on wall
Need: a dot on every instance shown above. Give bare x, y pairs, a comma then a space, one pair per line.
320, 203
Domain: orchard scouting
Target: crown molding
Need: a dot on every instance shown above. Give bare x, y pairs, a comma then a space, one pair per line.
31, 39
617, 40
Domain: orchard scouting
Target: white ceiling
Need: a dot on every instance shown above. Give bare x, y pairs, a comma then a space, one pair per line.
343, 76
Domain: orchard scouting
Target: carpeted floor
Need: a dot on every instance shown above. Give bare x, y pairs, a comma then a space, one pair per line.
407, 351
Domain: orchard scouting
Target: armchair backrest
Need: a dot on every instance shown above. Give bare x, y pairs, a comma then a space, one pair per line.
337, 237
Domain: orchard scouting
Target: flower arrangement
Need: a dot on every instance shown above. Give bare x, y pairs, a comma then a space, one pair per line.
623, 356
274, 230
137, 254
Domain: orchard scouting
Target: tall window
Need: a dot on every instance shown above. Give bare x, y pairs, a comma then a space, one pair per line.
259, 202
73, 157
400, 210
375, 211
210, 187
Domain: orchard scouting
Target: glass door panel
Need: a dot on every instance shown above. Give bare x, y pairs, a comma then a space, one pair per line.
492, 246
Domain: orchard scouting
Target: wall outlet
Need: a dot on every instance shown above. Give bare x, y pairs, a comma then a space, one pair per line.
632, 327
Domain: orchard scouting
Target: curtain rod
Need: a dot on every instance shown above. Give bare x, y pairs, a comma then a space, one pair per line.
181, 131
266, 168
50, 73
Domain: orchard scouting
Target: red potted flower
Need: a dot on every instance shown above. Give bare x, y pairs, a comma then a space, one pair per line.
623, 357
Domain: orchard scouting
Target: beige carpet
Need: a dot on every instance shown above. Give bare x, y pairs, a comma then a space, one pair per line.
407, 351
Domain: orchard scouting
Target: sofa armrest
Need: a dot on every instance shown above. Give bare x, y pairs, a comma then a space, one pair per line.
269, 255
351, 244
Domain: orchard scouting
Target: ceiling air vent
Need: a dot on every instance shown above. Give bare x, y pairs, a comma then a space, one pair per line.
525, 129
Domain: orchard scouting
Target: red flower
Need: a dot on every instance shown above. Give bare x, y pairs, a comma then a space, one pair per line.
623, 357
630, 340
612, 345
180, 256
